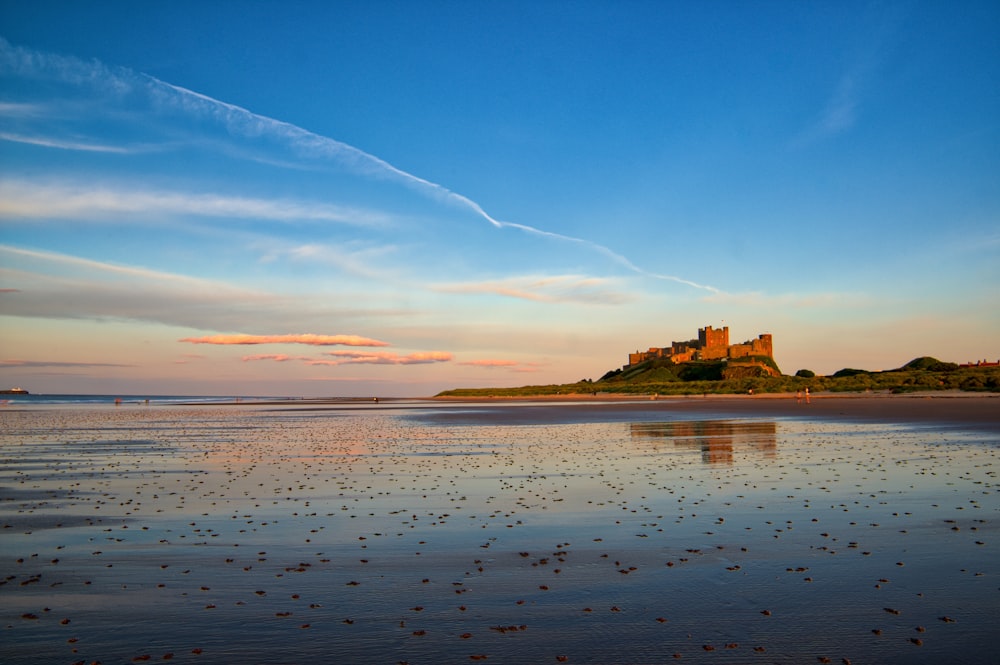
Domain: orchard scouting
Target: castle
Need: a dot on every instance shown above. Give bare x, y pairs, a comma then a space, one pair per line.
711, 345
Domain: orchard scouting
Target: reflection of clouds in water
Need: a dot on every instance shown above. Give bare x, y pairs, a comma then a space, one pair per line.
716, 439
347, 519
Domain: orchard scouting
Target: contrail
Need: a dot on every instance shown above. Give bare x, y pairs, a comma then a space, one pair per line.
239, 120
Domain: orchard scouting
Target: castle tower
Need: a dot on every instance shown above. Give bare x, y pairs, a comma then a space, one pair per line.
714, 343
709, 338
763, 346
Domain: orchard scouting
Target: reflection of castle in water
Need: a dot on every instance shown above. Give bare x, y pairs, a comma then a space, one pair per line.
716, 439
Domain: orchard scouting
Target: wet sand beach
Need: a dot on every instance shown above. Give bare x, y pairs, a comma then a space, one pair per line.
706, 530
978, 410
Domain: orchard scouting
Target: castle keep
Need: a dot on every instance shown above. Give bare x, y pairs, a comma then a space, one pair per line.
711, 345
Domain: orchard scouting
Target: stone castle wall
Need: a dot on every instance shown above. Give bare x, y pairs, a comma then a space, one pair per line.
712, 344
762, 346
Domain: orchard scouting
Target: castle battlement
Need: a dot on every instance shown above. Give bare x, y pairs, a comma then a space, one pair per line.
712, 344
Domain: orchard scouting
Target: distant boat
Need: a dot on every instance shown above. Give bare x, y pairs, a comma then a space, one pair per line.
14, 391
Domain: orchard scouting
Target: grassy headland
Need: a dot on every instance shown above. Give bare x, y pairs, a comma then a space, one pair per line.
661, 377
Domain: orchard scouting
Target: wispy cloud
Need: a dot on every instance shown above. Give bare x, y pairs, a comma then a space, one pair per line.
759, 299
600, 249
841, 111
61, 144
395, 381
357, 358
501, 364
299, 338
383, 358
186, 358
490, 363
366, 262
52, 285
276, 357
70, 287
114, 269
19, 109
306, 145
877, 25
164, 303
20, 199
986, 241
549, 289
838, 116
9, 364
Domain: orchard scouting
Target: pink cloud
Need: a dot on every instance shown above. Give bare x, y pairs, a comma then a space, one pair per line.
490, 363
276, 357
511, 365
383, 358
55, 363
301, 338
551, 288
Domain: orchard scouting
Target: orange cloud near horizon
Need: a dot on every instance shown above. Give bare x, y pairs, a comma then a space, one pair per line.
277, 357
300, 338
490, 363
383, 358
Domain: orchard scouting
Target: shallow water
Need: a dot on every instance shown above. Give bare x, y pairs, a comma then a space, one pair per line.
442, 534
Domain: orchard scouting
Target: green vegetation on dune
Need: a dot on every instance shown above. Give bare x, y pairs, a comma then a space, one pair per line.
930, 364
662, 377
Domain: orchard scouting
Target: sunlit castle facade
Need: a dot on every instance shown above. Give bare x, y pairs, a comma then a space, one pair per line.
712, 344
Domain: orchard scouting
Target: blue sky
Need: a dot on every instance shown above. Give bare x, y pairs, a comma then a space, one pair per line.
397, 198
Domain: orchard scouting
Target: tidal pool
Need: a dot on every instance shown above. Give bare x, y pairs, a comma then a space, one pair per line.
426, 533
